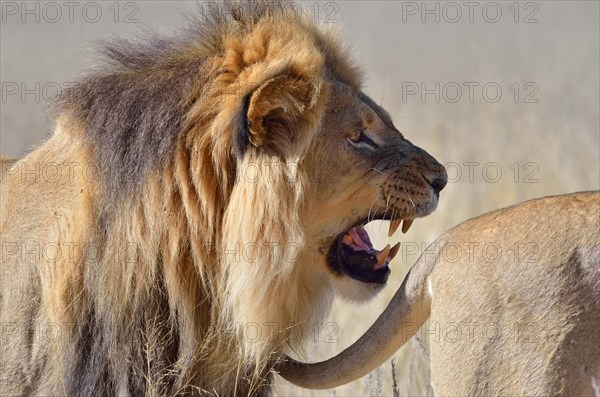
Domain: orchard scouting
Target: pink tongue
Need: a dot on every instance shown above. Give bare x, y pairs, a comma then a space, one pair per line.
361, 238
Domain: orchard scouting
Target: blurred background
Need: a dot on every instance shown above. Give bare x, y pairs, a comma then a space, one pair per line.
505, 94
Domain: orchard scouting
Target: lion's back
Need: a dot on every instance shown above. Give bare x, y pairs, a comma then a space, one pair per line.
6, 163
507, 287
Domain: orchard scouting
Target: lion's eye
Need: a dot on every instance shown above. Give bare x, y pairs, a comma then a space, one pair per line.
363, 142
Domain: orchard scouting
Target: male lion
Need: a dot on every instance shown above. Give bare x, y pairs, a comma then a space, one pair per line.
199, 204
514, 299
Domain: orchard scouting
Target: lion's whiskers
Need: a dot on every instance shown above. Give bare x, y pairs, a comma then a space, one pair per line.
410, 199
387, 207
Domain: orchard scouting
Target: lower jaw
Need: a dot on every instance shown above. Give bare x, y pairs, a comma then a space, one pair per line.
352, 254
362, 268
380, 277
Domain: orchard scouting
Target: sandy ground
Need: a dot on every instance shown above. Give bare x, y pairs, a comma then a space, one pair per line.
506, 96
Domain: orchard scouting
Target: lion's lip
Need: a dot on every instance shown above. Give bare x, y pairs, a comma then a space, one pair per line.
353, 252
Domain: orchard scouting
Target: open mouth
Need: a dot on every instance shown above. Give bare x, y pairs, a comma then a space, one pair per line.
353, 253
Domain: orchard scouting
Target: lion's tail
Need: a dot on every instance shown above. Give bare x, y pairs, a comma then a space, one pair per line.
405, 314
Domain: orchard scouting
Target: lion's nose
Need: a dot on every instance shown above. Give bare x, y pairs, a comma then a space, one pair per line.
437, 178
435, 175
437, 183
432, 171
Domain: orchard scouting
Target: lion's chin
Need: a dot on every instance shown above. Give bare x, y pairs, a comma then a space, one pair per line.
356, 291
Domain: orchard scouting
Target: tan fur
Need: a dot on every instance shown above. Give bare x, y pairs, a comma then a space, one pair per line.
513, 298
150, 290
525, 301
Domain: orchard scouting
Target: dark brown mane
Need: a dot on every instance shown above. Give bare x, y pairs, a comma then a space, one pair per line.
132, 107
167, 123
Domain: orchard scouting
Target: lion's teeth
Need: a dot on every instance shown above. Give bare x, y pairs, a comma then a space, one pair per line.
394, 251
348, 239
406, 225
394, 226
382, 256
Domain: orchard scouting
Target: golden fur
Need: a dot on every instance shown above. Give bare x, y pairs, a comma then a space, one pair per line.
160, 247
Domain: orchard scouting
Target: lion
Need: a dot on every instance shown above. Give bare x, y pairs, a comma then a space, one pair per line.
199, 204
513, 298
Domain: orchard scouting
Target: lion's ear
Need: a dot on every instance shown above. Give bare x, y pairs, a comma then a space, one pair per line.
279, 116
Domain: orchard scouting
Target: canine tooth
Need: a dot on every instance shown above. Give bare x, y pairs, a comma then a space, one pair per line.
394, 226
348, 239
406, 225
382, 256
394, 250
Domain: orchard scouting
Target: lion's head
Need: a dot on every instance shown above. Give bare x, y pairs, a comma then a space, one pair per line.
363, 170
315, 160
237, 164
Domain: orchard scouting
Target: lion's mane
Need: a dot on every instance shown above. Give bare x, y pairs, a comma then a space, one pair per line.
176, 264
